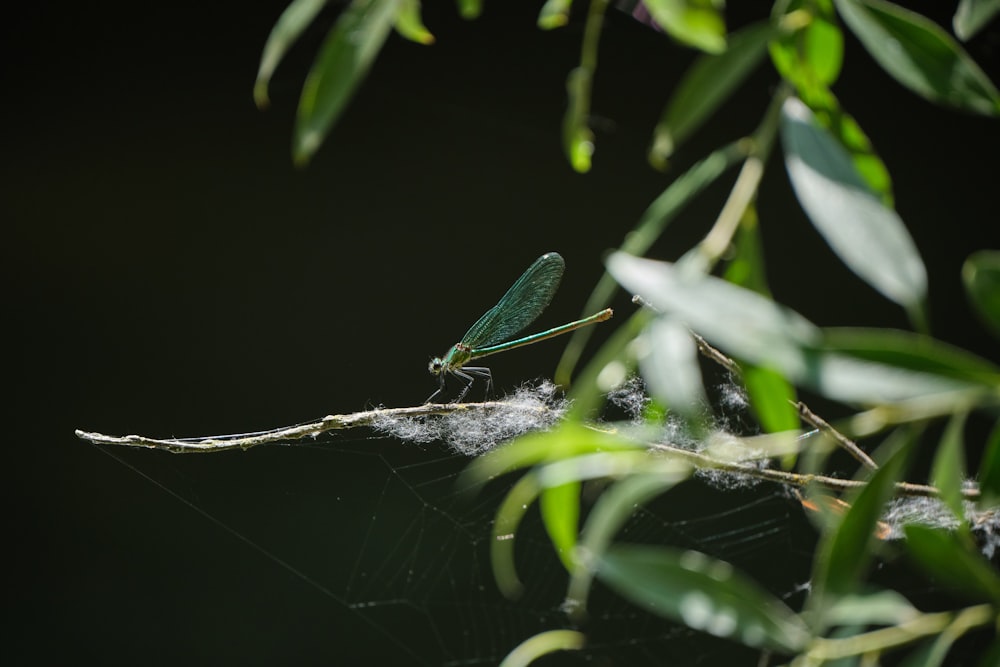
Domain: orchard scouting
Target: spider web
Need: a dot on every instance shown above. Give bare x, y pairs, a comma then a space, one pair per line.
380, 528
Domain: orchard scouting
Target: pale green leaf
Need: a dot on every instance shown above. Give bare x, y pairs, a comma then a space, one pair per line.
870, 238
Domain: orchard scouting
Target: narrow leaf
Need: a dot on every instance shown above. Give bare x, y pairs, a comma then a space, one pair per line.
989, 469
292, 22
944, 556
706, 86
554, 14
542, 644
920, 55
704, 594
771, 397
410, 25
578, 140
981, 275
948, 471
911, 351
972, 15
343, 62
560, 508
870, 238
846, 551
878, 608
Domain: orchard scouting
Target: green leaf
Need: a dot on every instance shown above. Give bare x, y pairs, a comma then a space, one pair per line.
981, 275
554, 14
920, 55
876, 608
470, 9
948, 471
845, 552
697, 23
771, 397
706, 86
343, 62
989, 470
578, 140
972, 15
911, 351
669, 363
410, 25
812, 56
290, 25
542, 644
614, 507
560, 507
942, 554
868, 237
703, 593
746, 268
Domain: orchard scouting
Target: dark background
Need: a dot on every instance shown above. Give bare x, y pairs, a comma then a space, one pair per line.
171, 273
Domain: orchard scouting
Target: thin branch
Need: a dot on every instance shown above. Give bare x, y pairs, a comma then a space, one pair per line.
852, 448
807, 415
700, 460
284, 434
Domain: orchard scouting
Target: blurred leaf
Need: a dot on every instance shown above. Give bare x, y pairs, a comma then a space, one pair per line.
343, 62
810, 57
942, 555
920, 55
845, 552
554, 14
569, 439
470, 9
853, 380
989, 469
578, 140
669, 365
981, 275
614, 507
704, 594
771, 398
292, 22
972, 15
697, 23
868, 237
913, 351
948, 471
560, 508
542, 644
743, 323
410, 25
877, 608
707, 84
746, 267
